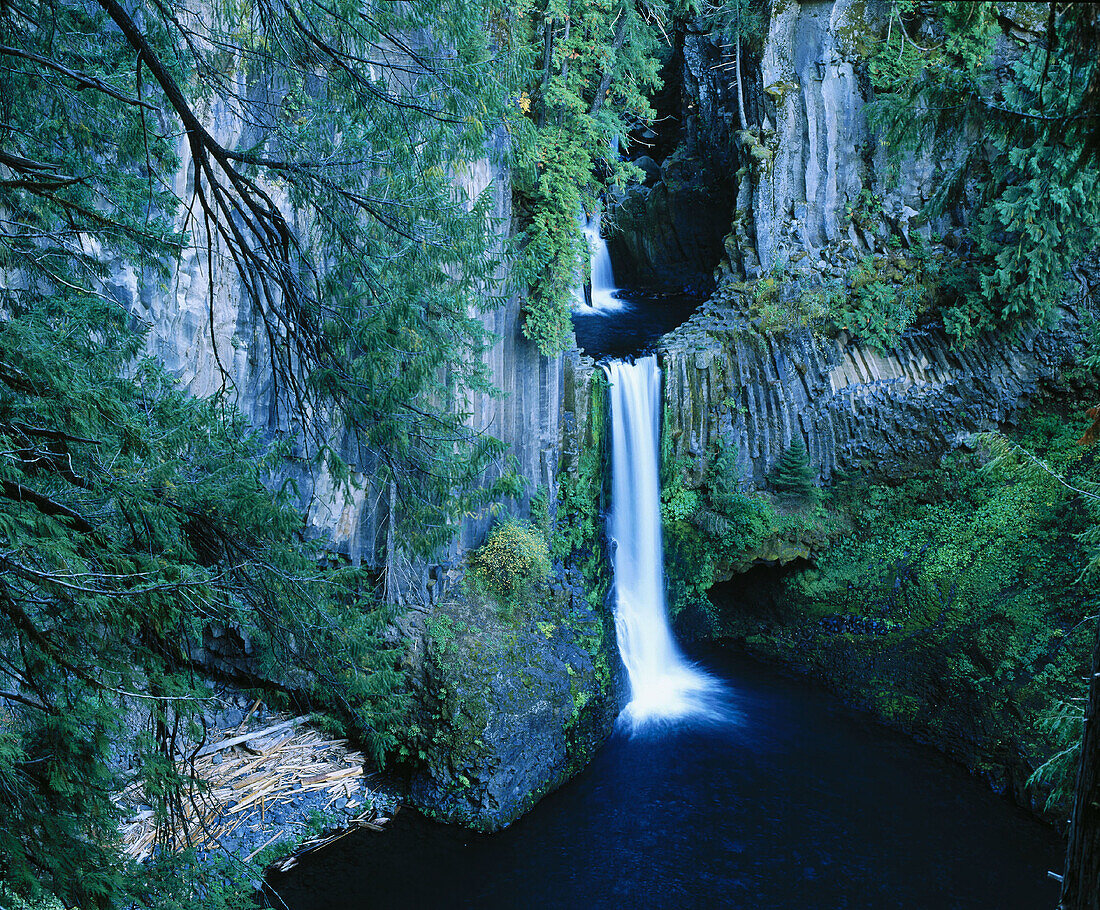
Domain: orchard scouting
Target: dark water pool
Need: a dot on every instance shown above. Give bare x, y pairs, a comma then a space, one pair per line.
636, 326
799, 803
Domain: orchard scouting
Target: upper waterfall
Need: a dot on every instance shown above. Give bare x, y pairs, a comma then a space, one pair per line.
663, 684
602, 287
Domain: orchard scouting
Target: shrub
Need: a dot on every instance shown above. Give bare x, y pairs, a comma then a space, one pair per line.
513, 561
877, 310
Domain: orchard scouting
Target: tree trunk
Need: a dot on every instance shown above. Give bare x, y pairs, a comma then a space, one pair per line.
605, 80
740, 91
1081, 882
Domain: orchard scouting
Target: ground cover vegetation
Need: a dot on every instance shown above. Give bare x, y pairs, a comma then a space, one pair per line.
1026, 165
512, 563
714, 527
951, 604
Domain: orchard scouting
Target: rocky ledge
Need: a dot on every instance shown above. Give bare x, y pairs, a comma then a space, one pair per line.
728, 383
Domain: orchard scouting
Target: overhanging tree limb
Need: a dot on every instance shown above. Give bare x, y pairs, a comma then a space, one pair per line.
609, 71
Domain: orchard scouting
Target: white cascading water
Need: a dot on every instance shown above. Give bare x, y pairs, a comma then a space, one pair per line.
603, 277
602, 281
664, 685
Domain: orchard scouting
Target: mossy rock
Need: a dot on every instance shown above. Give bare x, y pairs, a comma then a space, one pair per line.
510, 703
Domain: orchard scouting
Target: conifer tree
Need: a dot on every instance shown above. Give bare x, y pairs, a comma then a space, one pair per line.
335, 206
132, 516
792, 477
1015, 140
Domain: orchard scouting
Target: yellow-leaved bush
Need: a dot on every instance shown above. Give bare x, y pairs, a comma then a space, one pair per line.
514, 560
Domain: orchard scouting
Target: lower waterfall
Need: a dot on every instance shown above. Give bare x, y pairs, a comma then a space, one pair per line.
664, 685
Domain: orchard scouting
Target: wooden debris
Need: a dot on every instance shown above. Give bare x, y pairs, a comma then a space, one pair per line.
244, 776
289, 862
246, 737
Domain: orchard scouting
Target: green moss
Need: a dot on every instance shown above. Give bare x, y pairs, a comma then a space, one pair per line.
579, 541
578, 536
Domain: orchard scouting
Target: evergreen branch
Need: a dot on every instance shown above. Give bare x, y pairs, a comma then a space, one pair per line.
1009, 448
56, 435
29, 702
609, 70
83, 79
45, 505
54, 578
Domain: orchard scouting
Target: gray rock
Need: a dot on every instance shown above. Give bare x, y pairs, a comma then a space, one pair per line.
651, 168
670, 234
854, 407
513, 710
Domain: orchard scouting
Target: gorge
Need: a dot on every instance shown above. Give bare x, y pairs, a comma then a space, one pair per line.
303, 400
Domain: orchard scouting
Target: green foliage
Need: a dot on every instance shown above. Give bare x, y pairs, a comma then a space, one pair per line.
513, 561
367, 288
731, 19
1034, 212
1063, 724
540, 511
1043, 216
878, 300
597, 60
792, 477
953, 603
782, 302
959, 59
876, 310
133, 517
578, 537
707, 526
866, 210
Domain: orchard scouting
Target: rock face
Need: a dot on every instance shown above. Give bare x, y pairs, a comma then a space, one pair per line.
670, 234
788, 164
512, 702
203, 329
814, 126
854, 408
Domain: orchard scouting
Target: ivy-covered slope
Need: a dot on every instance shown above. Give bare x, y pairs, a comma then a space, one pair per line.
951, 605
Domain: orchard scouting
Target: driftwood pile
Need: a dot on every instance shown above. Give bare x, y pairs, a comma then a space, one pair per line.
245, 783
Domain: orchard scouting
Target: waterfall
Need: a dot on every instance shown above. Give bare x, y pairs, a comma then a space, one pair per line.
603, 278
602, 281
663, 684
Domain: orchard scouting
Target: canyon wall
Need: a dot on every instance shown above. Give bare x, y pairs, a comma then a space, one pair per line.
855, 408
203, 328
